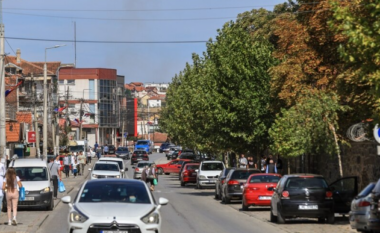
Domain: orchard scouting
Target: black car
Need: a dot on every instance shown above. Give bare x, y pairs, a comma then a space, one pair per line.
111, 149
220, 181
309, 195
187, 155
139, 155
374, 213
122, 152
232, 187
174, 155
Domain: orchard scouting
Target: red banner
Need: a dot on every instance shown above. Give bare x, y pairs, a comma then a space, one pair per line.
31, 137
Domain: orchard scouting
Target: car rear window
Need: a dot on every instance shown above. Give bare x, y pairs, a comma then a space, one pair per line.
192, 167
367, 190
305, 182
212, 166
140, 152
264, 179
143, 164
142, 143
243, 174
122, 149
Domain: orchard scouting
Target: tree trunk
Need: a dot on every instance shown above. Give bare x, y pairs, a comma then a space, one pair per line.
337, 150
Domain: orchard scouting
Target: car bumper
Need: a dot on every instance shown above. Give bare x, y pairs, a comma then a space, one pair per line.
358, 220
137, 175
373, 223
122, 155
189, 179
290, 209
35, 200
129, 227
207, 183
255, 200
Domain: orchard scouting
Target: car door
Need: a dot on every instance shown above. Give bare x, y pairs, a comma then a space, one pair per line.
172, 165
344, 191
225, 184
277, 194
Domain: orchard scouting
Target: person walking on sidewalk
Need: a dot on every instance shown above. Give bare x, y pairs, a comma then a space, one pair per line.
55, 174
98, 152
66, 164
75, 167
11, 186
89, 157
106, 149
82, 163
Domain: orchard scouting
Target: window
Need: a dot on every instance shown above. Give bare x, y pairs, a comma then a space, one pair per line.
70, 82
61, 82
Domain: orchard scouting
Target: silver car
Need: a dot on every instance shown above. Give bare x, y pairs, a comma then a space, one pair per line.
139, 167
105, 169
360, 208
122, 152
114, 205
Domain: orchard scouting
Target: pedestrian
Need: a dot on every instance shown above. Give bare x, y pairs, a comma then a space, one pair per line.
269, 158
271, 167
106, 149
96, 146
89, 157
11, 186
67, 164
82, 162
73, 156
2, 168
98, 152
243, 161
144, 174
279, 164
55, 174
251, 163
8, 160
263, 163
152, 175
75, 167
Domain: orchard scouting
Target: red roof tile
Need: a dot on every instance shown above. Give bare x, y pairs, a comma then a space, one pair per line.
37, 68
12, 131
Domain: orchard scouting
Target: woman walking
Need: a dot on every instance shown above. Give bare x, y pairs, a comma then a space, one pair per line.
11, 186
75, 166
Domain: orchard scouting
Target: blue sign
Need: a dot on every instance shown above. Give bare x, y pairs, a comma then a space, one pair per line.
125, 134
376, 133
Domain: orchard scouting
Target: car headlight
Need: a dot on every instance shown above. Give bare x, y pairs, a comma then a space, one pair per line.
117, 176
77, 216
45, 190
202, 177
117, 154
151, 218
95, 176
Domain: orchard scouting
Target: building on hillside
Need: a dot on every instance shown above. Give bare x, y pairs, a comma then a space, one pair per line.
161, 87
156, 101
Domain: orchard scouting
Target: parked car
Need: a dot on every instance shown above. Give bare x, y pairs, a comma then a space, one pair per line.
105, 169
174, 155
172, 167
208, 173
122, 152
139, 155
360, 209
220, 181
187, 155
146, 145
258, 189
171, 151
131, 203
182, 166
308, 195
165, 146
232, 187
119, 161
166, 149
139, 168
189, 175
374, 214
35, 177
111, 149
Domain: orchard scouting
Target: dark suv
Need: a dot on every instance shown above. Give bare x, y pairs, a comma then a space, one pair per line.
374, 213
139, 155
309, 195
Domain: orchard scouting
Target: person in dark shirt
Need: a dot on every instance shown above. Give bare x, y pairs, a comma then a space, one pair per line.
271, 167
251, 163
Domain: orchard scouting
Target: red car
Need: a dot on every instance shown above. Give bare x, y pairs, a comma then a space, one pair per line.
172, 167
258, 189
189, 175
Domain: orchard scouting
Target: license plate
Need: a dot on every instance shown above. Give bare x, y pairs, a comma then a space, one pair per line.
211, 182
137, 159
307, 207
194, 174
113, 231
29, 198
265, 198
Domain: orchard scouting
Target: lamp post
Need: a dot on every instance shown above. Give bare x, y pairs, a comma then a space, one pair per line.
80, 114
44, 132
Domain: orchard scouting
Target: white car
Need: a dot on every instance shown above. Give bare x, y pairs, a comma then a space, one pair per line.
208, 173
120, 161
114, 206
105, 169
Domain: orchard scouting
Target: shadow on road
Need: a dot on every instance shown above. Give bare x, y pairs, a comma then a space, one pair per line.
198, 193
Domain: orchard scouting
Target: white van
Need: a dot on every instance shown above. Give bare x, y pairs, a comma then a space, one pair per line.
208, 173
35, 177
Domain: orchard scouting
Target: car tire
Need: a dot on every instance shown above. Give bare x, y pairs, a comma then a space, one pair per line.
244, 206
51, 206
183, 183
227, 200
160, 171
280, 219
272, 217
321, 220
199, 186
331, 218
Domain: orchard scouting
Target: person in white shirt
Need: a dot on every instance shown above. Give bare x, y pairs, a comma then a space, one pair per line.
75, 166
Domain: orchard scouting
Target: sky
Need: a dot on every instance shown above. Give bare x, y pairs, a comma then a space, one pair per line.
120, 20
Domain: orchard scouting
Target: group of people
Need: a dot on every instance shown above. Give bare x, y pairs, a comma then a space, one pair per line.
267, 164
75, 162
149, 174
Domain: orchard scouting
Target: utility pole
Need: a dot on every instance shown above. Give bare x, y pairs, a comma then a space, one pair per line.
36, 118
3, 137
80, 118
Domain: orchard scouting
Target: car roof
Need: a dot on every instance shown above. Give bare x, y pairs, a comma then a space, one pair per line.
28, 163
213, 161
303, 174
245, 169
145, 162
110, 158
110, 180
265, 174
107, 162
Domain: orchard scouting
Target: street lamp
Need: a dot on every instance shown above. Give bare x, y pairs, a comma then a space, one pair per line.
81, 114
44, 132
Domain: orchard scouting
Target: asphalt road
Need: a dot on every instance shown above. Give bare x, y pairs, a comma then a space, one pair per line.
189, 210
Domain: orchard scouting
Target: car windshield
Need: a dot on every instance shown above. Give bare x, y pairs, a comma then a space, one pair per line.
76, 148
140, 165
305, 182
264, 179
142, 143
367, 190
376, 190
31, 173
212, 166
122, 149
115, 192
242, 174
192, 167
119, 162
106, 167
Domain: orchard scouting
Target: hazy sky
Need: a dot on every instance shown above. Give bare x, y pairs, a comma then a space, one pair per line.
138, 21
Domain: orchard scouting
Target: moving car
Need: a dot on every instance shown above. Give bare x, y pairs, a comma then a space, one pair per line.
164, 146
122, 152
139, 155
360, 209
146, 145
220, 181
105, 169
232, 187
308, 195
111, 149
35, 177
208, 173
258, 189
114, 205
189, 175
139, 168
119, 161
374, 214
172, 167
173, 149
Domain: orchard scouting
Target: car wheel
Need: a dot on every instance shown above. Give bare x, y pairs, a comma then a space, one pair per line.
160, 171
244, 206
216, 195
280, 219
51, 206
331, 218
272, 217
183, 183
199, 186
227, 200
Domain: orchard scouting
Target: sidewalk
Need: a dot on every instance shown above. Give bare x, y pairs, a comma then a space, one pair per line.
29, 220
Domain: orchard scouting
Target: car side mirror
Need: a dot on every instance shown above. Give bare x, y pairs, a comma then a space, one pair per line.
121, 170
163, 201
270, 189
66, 199
196, 170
